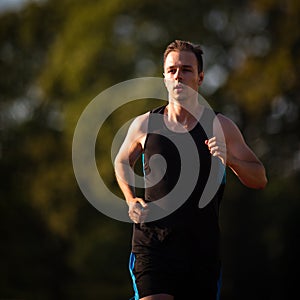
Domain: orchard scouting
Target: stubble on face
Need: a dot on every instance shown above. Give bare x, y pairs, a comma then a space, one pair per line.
182, 78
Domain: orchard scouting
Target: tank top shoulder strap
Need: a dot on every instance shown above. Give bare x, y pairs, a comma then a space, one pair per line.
158, 110
206, 120
156, 118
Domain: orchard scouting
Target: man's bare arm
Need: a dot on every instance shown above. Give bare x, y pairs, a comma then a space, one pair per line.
235, 153
125, 160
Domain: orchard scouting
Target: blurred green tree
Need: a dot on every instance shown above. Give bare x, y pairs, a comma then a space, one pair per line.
56, 56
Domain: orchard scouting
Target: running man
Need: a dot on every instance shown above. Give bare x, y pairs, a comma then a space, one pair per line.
177, 256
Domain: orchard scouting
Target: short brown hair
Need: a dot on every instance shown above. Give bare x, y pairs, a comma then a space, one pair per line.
179, 45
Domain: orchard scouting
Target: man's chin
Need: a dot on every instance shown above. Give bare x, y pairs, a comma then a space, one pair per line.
178, 99
182, 96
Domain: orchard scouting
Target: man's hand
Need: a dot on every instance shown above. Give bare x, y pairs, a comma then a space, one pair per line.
138, 210
217, 148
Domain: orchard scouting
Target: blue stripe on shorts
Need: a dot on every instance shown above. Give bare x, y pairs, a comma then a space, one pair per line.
131, 266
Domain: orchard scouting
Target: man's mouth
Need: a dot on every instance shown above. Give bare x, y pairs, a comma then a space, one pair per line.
179, 87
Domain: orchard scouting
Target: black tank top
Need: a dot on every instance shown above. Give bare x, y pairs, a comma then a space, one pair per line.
189, 229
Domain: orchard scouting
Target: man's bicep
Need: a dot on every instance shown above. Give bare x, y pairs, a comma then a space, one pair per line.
132, 148
235, 141
238, 146
242, 151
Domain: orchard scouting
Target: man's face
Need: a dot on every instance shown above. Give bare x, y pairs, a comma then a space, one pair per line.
181, 72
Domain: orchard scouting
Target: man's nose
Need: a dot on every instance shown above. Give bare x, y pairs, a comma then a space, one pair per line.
178, 74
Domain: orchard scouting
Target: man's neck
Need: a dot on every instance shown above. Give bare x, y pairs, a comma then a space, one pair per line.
185, 114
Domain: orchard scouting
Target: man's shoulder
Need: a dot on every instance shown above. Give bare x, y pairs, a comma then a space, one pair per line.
224, 120
144, 118
158, 110
140, 123
228, 126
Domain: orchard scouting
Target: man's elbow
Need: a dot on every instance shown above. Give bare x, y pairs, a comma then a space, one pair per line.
120, 163
263, 183
260, 184
264, 179
116, 161
261, 179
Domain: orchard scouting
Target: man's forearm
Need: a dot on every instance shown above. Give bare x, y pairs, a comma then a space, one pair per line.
251, 173
125, 180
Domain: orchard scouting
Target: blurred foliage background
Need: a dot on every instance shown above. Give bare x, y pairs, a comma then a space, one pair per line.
57, 55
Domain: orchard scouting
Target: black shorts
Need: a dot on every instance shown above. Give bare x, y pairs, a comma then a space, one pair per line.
154, 274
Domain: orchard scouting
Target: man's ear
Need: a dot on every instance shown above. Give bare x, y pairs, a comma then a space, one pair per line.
201, 77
